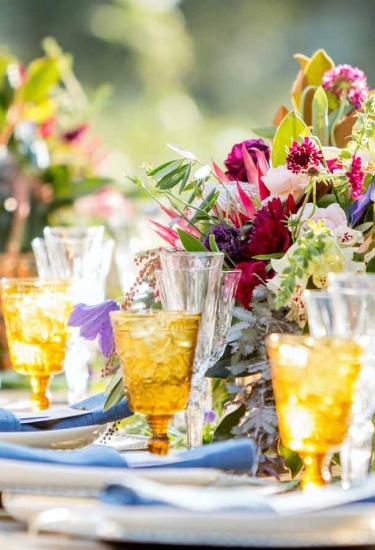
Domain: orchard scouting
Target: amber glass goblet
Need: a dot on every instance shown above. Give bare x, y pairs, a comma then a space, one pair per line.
314, 382
156, 351
36, 314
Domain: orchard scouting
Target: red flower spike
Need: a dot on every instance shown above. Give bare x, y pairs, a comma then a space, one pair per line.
263, 191
166, 233
246, 202
251, 169
223, 178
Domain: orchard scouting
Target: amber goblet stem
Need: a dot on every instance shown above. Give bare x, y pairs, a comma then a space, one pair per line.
158, 443
39, 392
316, 473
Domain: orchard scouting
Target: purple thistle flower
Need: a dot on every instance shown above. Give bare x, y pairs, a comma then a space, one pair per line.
94, 321
228, 239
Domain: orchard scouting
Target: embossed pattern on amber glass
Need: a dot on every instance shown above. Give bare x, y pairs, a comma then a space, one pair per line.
36, 317
313, 382
156, 351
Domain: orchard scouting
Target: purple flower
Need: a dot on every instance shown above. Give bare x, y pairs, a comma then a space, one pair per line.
234, 162
345, 80
360, 205
94, 321
228, 239
209, 417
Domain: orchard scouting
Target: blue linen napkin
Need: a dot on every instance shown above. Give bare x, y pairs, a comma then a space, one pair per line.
95, 415
229, 455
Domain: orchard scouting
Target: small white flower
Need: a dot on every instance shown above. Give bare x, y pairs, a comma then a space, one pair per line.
203, 172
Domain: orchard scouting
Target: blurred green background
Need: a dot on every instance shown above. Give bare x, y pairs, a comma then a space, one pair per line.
198, 73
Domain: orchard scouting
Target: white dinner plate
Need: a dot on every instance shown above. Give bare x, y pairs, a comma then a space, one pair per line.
69, 438
351, 526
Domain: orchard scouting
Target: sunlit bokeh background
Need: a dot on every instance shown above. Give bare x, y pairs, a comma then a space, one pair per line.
200, 73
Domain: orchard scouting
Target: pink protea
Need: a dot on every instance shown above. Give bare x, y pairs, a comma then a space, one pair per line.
303, 156
345, 80
356, 176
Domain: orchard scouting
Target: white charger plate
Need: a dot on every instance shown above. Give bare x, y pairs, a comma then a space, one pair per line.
69, 438
349, 526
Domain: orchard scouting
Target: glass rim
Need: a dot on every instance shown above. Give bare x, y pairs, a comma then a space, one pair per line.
276, 338
181, 253
152, 313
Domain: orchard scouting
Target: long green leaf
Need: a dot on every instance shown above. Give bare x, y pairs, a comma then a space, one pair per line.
185, 177
115, 391
190, 243
171, 179
213, 245
290, 128
320, 116
161, 167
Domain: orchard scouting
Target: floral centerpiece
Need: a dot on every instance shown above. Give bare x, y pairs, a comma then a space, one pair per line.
48, 158
285, 212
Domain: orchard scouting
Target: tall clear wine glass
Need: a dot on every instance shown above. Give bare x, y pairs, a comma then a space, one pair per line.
353, 302
80, 255
222, 322
192, 284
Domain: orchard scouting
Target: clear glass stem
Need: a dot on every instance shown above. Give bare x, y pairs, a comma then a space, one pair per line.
316, 473
39, 392
159, 442
76, 367
356, 454
200, 396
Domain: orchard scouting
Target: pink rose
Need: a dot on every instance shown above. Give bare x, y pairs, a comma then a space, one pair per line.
282, 182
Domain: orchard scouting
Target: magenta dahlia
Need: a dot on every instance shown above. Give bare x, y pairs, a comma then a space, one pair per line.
303, 156
345, 80
356, 177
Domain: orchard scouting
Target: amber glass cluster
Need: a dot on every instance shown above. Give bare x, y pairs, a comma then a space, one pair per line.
36, 314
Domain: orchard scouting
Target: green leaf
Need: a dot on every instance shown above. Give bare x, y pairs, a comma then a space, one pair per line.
326, 200
171, 179
213, 245
290, 128
318, 64
186, 174
224, 429
115, 391
292, 460
190, 243
267, 132
161, 167
268, 256
320, 116
42, 75
371, 266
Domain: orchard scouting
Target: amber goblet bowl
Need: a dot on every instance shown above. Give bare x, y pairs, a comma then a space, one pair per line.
156, 351
314, 381
36, 314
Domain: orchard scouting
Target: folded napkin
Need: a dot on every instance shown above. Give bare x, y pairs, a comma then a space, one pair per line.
230, 455
94, 415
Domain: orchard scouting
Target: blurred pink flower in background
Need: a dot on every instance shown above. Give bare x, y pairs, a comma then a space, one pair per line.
107, 204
